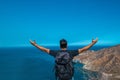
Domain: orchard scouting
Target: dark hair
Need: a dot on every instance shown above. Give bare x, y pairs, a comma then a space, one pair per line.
63, 43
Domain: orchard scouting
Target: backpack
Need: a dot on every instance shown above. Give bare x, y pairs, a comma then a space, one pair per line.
63, 67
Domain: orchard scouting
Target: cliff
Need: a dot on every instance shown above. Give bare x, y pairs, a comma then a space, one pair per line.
105, 61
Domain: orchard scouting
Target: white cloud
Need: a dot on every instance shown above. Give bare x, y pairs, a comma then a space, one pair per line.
49, 44
105, 42
86, 42
80, 43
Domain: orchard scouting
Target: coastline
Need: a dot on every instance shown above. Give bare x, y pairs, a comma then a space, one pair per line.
105, 61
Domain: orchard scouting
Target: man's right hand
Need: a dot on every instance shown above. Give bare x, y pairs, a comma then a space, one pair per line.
33, 42
39, 47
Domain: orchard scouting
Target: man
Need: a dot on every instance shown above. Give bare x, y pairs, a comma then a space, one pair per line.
64, 69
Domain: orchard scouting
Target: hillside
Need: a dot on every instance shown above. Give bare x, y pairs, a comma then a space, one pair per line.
105, 61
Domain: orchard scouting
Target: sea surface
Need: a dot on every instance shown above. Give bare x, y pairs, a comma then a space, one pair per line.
29, 63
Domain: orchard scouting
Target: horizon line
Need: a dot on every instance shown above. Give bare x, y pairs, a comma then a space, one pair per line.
58, 45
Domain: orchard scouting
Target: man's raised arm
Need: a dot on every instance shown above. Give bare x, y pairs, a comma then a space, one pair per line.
87, 47
40, 47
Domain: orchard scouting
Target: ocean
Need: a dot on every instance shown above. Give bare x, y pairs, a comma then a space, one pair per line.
29, 63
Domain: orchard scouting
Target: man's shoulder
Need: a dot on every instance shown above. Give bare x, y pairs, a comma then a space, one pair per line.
71, 51
55, 50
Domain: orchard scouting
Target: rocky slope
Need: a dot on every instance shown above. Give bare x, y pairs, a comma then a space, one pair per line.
105, 61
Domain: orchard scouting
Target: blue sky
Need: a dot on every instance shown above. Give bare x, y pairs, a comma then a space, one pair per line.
48, 21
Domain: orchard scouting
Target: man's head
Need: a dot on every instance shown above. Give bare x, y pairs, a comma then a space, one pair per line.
63, 43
